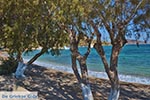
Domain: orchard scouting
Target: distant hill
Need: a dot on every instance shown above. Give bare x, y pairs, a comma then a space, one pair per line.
83, 43
134, 42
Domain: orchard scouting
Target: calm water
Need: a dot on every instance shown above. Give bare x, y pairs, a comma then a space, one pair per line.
134, 62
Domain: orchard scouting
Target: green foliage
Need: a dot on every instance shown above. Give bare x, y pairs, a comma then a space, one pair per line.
143, 17
50, 35
17, 32
28, 24
8, 66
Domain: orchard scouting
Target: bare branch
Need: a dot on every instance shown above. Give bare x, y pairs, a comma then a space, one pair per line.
133, 13
110, 31
89, 47
75, 69
99, 48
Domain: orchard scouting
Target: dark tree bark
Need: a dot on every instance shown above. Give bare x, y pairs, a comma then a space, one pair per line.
111, 70
76, 56
37, 56
75, 69
21, 66
19, 57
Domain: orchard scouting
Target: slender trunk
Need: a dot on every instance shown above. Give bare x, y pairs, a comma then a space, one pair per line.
86, 92
19, 57
111, 71
36, 56
21, 66
98, 47
114, 93
20, 70
75, 55
85, 86
74, 67
115, 89
117, 42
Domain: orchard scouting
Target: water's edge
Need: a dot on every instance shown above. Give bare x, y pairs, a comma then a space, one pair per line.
125, 78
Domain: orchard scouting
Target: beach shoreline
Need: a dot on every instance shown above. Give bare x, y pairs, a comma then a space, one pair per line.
96, 74
60, 85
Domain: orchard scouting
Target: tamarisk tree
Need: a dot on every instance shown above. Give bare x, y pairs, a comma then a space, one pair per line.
29, 24
114, 17
18, 32
75, 14
77, 56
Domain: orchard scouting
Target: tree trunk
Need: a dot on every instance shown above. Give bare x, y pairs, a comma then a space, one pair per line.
115, 89
114, 93
111, 71
75, 69
19, 57
85, 86
75, 55
21, 66
86, 92
36, 56
20, 70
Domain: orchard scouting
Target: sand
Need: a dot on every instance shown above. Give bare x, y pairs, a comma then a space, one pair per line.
56, 85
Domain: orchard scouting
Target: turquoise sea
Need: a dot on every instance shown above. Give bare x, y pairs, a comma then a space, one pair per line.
134, 62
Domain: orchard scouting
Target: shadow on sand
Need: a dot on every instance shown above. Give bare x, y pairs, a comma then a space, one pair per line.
56, 85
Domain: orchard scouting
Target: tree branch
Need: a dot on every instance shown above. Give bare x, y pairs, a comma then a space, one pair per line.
99, 48
35, 57
133, 13
88, 48
111, 33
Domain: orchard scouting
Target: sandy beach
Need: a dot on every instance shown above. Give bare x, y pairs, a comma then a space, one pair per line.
56, 85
